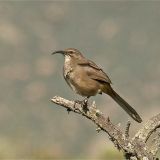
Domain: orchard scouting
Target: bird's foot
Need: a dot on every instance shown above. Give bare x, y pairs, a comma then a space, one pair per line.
83, 103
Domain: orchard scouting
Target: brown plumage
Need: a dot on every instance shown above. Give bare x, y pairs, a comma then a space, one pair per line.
87, 79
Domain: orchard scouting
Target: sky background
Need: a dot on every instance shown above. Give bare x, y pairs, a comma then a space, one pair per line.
122, 37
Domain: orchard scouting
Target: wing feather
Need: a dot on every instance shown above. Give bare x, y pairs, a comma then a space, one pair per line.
94, 71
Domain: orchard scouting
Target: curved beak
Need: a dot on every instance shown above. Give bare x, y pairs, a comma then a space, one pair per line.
60, 51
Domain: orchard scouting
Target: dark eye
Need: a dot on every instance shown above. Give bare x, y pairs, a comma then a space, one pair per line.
71, 52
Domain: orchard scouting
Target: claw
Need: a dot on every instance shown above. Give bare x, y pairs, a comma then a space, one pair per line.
83, 103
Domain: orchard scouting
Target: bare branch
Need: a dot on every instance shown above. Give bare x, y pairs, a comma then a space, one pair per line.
98, 118
133, 149
148, 128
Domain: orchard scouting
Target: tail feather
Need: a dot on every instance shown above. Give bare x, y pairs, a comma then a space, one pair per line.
124, 105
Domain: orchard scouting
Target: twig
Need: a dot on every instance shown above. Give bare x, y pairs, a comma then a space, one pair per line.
127, 129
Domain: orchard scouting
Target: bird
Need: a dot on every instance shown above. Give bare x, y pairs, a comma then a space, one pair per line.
87, 79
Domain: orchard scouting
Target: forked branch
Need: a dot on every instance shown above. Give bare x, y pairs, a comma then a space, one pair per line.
133, 148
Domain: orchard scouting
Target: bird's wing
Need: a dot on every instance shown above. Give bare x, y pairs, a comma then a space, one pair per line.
94, 71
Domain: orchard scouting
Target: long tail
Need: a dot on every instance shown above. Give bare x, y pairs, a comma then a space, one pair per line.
124, 105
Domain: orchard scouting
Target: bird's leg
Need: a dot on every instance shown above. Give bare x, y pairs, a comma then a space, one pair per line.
85, 101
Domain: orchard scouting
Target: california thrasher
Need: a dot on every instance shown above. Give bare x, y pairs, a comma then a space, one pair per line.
87, 79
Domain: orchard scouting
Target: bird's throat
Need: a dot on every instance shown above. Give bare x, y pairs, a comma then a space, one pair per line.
67, 68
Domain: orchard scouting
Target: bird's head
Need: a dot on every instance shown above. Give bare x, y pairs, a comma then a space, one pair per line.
71, 52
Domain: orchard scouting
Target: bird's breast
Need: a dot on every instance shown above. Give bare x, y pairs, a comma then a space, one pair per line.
77, 78
68, 73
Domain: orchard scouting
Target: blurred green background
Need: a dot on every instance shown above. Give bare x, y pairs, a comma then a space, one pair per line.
122, 37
